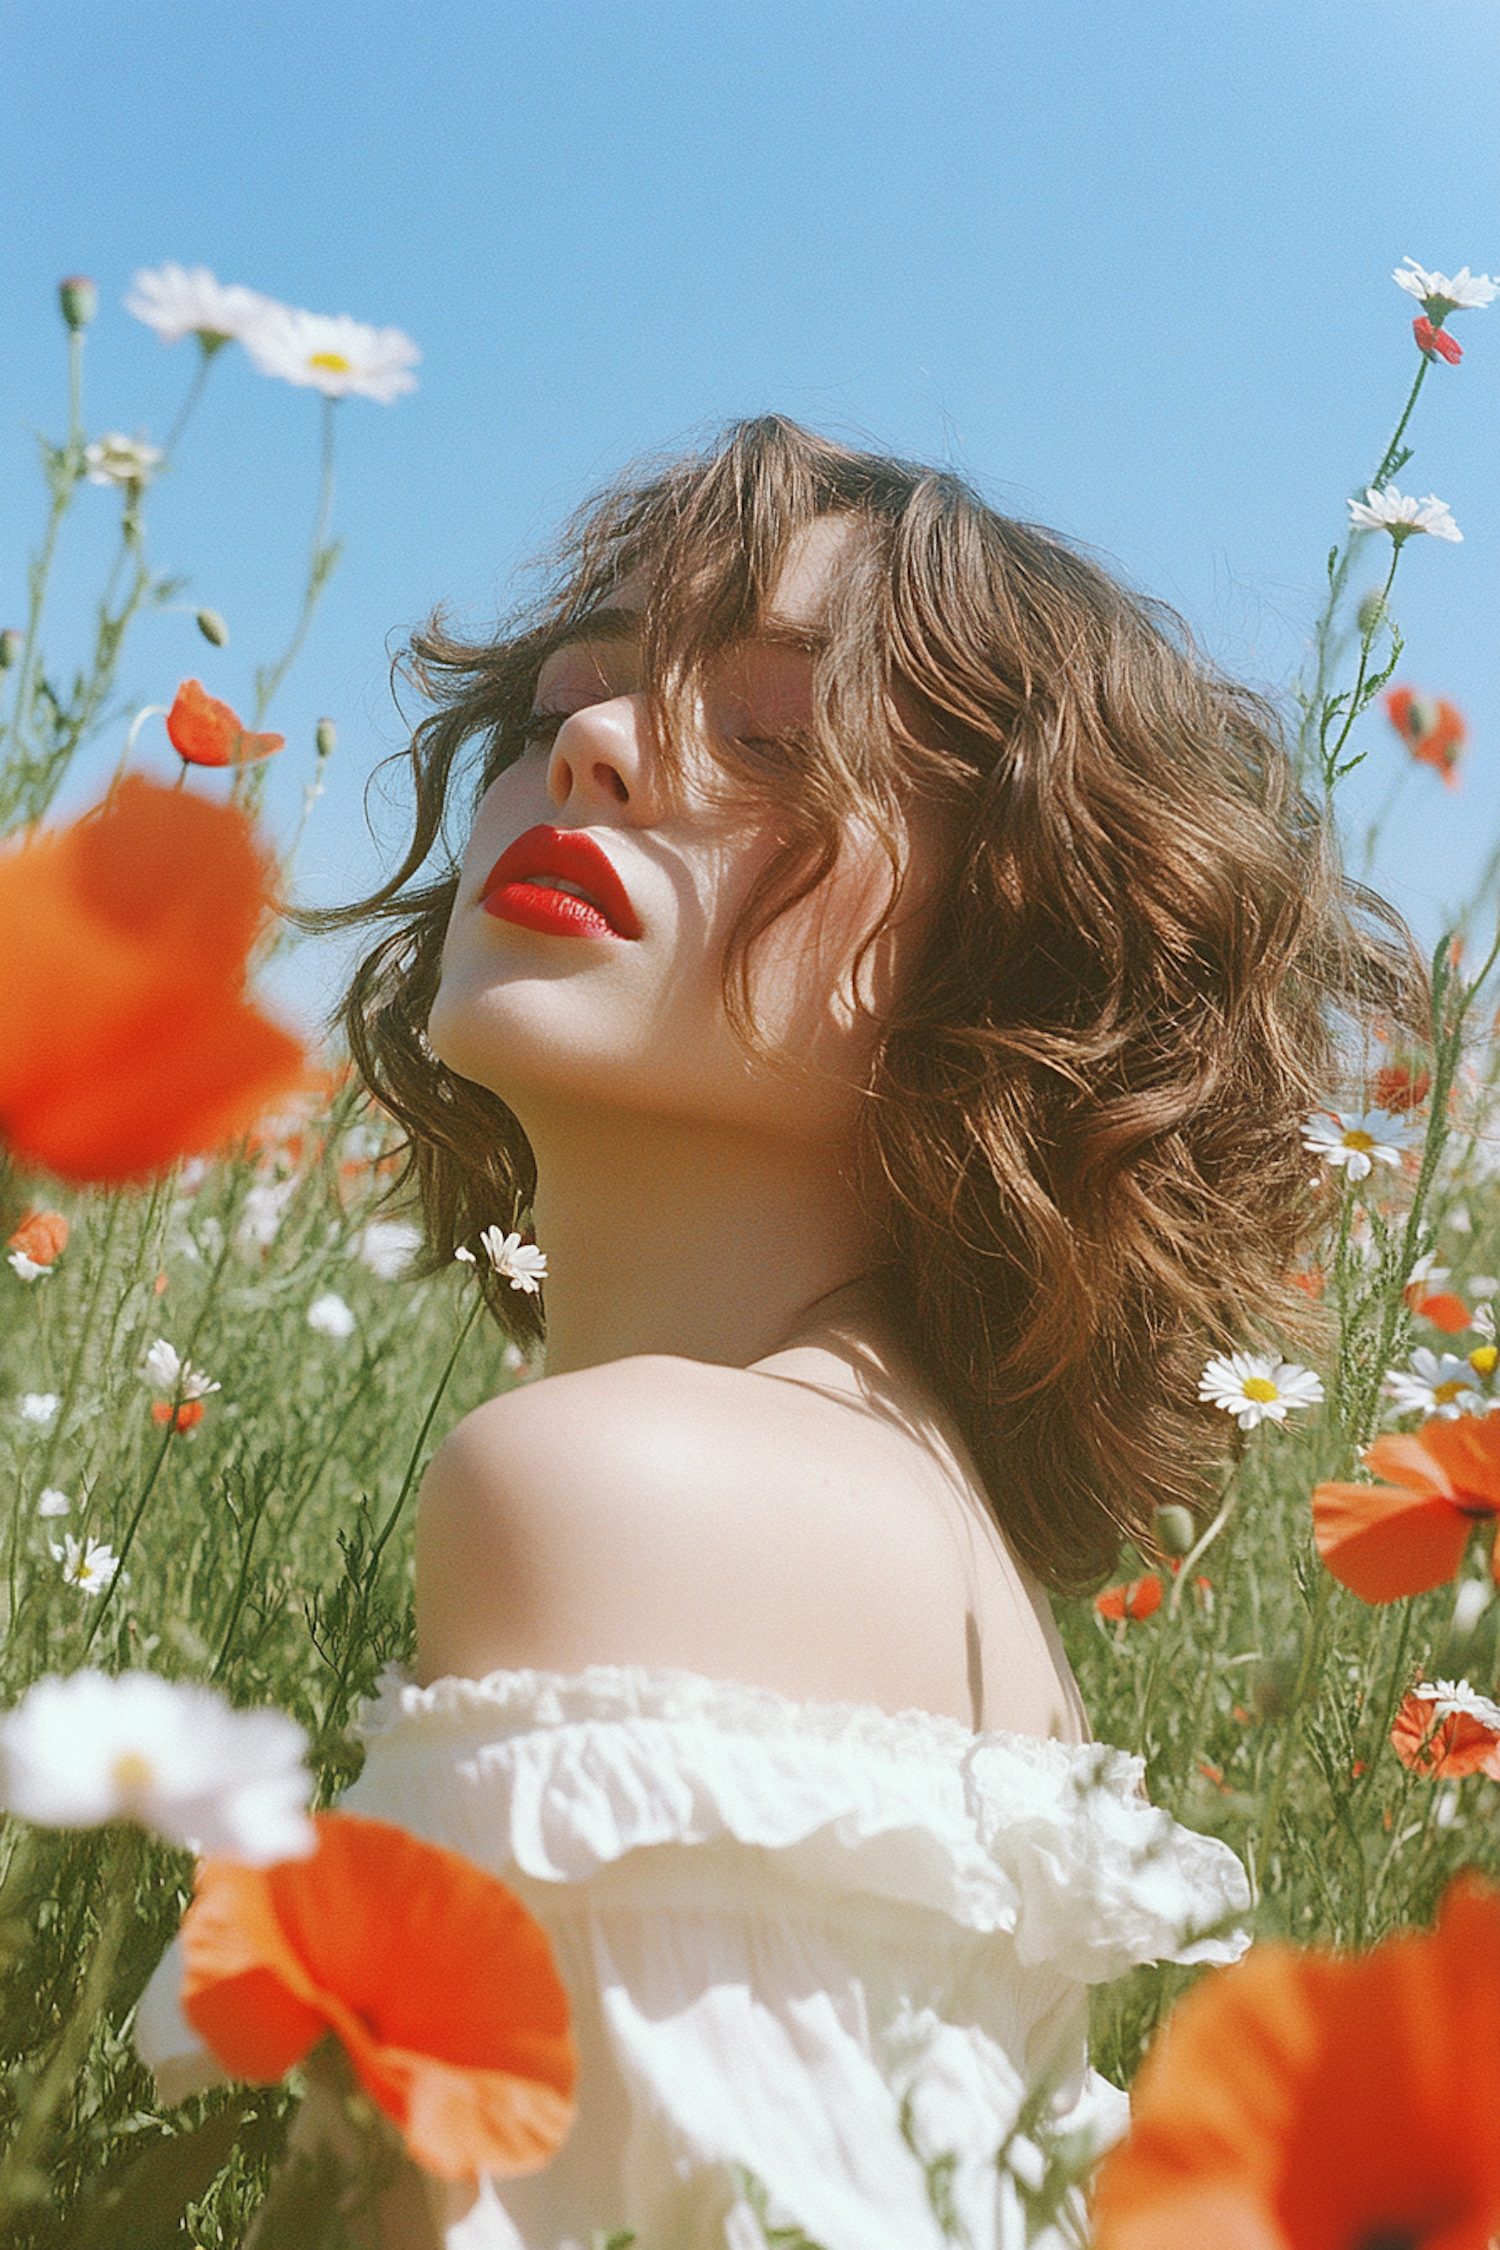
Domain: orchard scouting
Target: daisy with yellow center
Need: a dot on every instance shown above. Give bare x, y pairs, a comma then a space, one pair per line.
1257, 1387
331, 353
1440, 1383
1356, 1143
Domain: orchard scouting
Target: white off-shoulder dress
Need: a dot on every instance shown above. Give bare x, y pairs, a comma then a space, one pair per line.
810, 1946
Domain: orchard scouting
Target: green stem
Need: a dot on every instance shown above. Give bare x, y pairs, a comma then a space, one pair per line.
415, 1463
1387, 466
1272, 1820
1228, 1502
321, 560
64, 468
18, 2171
189, 405
1356, 704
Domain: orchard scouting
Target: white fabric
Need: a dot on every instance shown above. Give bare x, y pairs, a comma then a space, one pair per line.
819, 1942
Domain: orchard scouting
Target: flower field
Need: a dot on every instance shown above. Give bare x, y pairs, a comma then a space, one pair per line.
224, 1361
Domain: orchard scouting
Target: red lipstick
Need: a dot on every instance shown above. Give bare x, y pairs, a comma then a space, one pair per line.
521, 887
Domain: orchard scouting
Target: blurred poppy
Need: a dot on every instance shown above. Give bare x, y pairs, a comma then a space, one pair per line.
206, 732
126, 1039
1384, 1541
1443, 1309
42, 1237
1299, 2101
1140, 1598
1432, 729
1445, 1730
438, 1983
1400, 1086
186, 1415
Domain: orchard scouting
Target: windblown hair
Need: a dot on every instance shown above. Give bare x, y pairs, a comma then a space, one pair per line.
1082, 1136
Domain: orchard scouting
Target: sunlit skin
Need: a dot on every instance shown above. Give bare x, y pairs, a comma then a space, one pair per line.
729, 1468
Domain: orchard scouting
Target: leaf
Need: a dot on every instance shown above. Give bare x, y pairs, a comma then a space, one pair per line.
143, 2209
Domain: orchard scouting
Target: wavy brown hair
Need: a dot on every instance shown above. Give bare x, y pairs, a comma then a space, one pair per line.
1082, 1136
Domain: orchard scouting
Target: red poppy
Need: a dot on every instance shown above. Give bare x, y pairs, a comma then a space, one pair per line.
1442, 1308
126, 1040
42, 1237
1432, 729
438, 1983
206, 732
1438, 1734
1299, 2101
1397, 1087
186, 1415
1436, 341
1384, 1541
1140, 1598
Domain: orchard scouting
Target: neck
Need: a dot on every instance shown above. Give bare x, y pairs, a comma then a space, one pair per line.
685, 1239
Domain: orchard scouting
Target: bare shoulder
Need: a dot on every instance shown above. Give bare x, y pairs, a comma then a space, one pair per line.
663, 1511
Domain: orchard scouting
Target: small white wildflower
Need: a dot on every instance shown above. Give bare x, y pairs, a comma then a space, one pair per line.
1402, 516
27, 1268
1450, 1698
116, 459
333, 354
88, 1564
1258, 1387
178, 303
1445, 1810
1469, 1605
1358, 1141
1434, 1383
387, 1246
465, 1256
262, 1212
1483, 1285
1429, 1274
174, 1377
53, 1502
1460, 1219
178, 1758
520, 1263
1484, 1321
39, 1408
1440, 294
328, 1315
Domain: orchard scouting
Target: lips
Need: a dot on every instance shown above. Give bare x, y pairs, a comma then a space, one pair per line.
521, 887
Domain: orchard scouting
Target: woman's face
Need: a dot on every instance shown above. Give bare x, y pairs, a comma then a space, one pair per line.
574, 977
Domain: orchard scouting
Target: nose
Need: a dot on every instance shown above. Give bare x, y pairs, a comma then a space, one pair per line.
601, 761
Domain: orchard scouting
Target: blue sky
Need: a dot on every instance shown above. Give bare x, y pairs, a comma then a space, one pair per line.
1126, 267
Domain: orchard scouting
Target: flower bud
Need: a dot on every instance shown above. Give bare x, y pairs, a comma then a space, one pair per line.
11, 645
213, 628
1371, 613
1469, 1605
326, 738
79, 299
1175, 1529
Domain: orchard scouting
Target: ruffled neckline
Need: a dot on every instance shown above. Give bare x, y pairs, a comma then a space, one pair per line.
525, 1698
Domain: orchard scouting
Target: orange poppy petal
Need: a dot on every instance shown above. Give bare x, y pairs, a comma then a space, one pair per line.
1140, 1598
1384, 1541
42, 1236
243, 1989
1446, 1312
438, 1982
1355, 2101
206, 732
1448, 1747
1464, 1453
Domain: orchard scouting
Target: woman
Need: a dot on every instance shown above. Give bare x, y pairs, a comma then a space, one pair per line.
888, 971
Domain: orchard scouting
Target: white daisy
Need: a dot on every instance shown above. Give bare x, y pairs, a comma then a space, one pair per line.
387, 1247
1386, 509
1450, 1697
116, 459
1258, 1387
178, 303
520, 1263
53, 1502
39, 1408
1434, 1383
174, 1377
177, 1758
331, 353
328, 1315
1358, 1141
1440, 293
88, 1564
27, 1268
